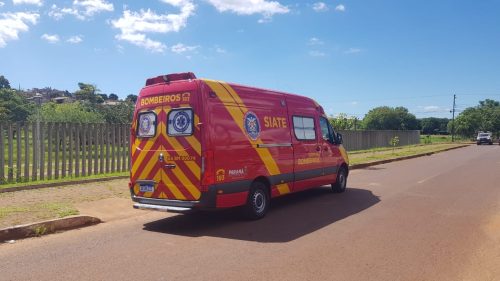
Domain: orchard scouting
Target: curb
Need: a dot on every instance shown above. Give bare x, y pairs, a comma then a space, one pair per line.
46, 227
379, 162
56, 184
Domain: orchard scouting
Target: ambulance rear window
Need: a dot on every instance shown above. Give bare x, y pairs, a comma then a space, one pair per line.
304, 128
146, 124
180, 122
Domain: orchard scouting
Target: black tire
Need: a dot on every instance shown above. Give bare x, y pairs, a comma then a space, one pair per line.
257, 202
340, 184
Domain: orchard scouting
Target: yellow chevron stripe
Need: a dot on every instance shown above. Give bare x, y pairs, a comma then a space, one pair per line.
229, 97
171, 186
195, 144
185, 181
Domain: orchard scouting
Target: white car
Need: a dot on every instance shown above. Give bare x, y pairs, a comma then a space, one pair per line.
484, 138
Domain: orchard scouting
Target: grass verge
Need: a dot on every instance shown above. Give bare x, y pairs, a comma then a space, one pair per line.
373, 155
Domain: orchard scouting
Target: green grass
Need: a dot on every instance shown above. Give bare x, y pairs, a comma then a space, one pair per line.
428, 139
66, 179
367, 156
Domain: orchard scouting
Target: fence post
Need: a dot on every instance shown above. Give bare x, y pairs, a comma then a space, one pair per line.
56, 167
89, 149
10, 168
78, 142
2, 155
70, 149
19, 149
113, 148
124, 147
84, 148
35, 151
26, 152
50, 127
102, 131
42, 150
64, 133
96, 155
108, 139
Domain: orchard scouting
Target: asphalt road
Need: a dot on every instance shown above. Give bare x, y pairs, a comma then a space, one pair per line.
430, 218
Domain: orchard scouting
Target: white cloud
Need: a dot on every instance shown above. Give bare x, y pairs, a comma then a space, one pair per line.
75, 39
353, 51
340, 8
315, 53
320, 7
81, 9
313, 41
29, 2
2, 4
51, 38
11, 24
249, 7
220, 50
180, 48
354, 103
135, 25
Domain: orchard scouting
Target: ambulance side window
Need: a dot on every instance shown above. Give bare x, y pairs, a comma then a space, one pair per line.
304, 128
326, 130
146, 124
180, 122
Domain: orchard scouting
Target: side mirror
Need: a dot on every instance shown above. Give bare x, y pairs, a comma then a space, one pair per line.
339, 138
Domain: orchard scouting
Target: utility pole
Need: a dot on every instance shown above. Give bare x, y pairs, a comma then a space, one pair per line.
453, 120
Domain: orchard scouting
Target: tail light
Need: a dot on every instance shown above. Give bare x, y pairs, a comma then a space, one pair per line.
207, 170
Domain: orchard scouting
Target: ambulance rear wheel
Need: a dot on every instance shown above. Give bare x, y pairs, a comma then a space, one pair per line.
257, 202
340, 184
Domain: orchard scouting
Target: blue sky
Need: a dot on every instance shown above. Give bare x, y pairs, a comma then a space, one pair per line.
350, 56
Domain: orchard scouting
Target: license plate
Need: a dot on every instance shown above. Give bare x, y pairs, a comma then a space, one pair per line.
146, 188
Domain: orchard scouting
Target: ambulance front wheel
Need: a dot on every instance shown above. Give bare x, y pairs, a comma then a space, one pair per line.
340, 184
257, 202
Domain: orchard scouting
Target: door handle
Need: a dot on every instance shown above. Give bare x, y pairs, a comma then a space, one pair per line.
170, 166
318, 148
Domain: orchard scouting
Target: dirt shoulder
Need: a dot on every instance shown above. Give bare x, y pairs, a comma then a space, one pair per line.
27, 206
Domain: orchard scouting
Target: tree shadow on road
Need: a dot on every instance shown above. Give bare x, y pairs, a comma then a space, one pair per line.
289, 218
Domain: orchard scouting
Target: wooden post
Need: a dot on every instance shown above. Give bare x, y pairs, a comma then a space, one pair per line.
96, 155
35, 149
113, 148
89, 149
42, 151
64, 133
2, 155
84, 146
50, 127
58, 138
10, 167
108, 140
19, 150
70, 149
26, 152
118, 147
101, 147
78, 142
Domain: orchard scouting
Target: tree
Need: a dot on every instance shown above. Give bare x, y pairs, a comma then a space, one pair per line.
14, 107
433, 125
113, 96
343, 122
484, 117
390, 118
75, 112
87, 92
120, 113
4, 83
131, 98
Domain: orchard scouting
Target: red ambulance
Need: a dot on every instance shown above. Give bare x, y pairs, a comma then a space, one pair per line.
205, 144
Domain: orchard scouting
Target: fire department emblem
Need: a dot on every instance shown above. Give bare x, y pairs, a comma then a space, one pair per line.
145, 124
252, 125
181, 121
